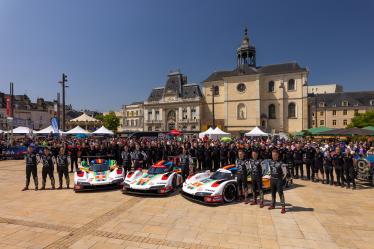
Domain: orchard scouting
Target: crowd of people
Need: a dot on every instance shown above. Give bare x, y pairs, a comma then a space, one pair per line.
328, 162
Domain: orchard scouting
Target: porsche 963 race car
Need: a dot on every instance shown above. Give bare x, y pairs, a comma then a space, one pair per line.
219, 187
162, 178
97, 173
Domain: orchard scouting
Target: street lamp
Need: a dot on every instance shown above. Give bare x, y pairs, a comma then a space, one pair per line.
213, 89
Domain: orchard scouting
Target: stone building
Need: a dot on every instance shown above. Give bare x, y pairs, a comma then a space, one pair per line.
177, 105
336, 110
325, 88
133, 117
35, 115
273, 97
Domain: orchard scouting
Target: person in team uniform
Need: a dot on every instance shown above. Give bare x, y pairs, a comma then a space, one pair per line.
185, 161
278, 171
62, 168
241, 176
309, 161
255, 169
48, 168
31, 168
349, 170
338, 162
223, 155
298, 161
328, 167
318, 165
126, 159
73, 157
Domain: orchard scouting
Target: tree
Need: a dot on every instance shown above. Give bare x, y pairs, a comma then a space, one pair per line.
362, 120
111, 121
100, 117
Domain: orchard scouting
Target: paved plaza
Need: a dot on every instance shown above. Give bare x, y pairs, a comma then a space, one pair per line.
318, 216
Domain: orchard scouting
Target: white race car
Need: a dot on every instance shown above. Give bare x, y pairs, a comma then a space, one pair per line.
216, 188
161, 178
98, 173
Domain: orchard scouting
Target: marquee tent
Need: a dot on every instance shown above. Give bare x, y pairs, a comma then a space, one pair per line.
21, 130
207, 132
77, 130
217, 133
47, 130
103, 131
86, 121
256, 132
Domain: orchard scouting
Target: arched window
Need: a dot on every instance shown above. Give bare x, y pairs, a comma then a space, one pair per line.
291, 85
271, 86
271, 111
241, 111
292, 110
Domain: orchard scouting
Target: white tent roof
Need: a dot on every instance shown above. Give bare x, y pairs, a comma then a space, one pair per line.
21, 130
47, 130
1, 131
77, 130
256, 132
207, 132
218, 131
84, 118
104, 131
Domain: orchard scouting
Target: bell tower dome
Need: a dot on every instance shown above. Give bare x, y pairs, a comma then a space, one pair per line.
246, 53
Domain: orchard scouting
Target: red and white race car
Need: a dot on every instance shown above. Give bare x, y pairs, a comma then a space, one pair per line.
161, 178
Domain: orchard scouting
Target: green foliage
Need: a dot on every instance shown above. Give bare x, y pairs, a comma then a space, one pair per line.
100, 117
362, 120
111, 121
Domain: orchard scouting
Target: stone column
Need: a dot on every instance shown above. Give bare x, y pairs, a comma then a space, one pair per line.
180, 114
189, 112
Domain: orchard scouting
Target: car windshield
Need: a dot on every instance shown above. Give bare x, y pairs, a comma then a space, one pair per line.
99, 167
157, 170
218, 175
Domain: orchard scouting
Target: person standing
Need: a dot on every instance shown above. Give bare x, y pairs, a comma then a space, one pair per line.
208, 157
241, 176
185, 161
62, 168
338, 162
200, 157
318, 166
126, 159
349, 170
47, 169
309, 161
73, 158
256, 174
298, 161
223, 154
328, 167
31, 168
278, 171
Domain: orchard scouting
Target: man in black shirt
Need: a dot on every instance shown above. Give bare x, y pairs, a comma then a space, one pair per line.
208, 157
328, 168
62, 168
349, 170
298, 161
73, 157
48, 168
338, 162
223, 154
31, 168
318, 165
241, 176
278, 172
309, 157
256, 175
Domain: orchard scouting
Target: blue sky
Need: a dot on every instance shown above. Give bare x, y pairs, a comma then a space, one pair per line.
115, 51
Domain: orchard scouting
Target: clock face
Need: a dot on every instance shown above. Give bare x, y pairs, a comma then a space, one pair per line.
241, 87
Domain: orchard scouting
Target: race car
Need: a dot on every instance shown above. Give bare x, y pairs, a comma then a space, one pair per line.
97, 174
219, 187
161, 178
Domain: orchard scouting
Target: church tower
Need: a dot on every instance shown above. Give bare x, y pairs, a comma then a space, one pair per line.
246, 54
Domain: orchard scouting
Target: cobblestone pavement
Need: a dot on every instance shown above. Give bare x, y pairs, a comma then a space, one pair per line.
318, 216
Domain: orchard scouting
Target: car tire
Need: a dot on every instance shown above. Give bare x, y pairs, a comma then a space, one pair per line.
229, 193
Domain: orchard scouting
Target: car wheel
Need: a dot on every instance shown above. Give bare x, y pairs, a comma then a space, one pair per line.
229, 193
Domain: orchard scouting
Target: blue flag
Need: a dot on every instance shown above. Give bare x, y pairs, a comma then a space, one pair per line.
54, 123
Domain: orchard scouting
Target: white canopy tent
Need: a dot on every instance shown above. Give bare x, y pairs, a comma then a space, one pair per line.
217, 133
21, 130
84, 118
77, 130
103, 131
1, 131
47, 130
256, 132
207, 132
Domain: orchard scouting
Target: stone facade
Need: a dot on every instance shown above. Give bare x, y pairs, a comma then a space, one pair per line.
325, 88
177, 105
273, 97
336, 110
133, 117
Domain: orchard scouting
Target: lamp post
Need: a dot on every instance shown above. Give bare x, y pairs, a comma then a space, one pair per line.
213, 90
62, 82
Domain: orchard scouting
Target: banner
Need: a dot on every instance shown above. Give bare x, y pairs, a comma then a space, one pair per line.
54, 124
8, 106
